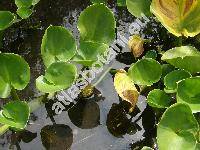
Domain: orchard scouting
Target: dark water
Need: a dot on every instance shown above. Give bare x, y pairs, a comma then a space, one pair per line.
100, 122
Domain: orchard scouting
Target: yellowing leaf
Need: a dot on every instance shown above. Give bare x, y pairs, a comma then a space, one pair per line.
136, 45
180, 17
125, 87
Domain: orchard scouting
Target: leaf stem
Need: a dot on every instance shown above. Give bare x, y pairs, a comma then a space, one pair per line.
14, 94
102, 76
3, 129
38, 102
180, 41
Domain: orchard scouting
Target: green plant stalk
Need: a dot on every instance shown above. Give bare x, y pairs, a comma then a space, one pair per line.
102, 76
3, 129
38, 102
180, 41
14, 94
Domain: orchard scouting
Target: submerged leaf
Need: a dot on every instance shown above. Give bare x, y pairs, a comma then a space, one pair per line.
58, 44
136, 45
57, 137
180, 17
184, 57
15, 114
125, 87
177, 127
15, 72
188, 91
7, 19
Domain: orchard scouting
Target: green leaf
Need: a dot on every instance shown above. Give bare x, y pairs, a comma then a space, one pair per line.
58, 76
97, 24
15, 114
7, 19
180, 17
166, 68
159, 99
89, 52
145, 72
184, 57
23, 3
15, 72
121, 2
34, 2
178, 128
172, 78
188, 91
151, 54
57, 44
125, 87
98, 1
24, 12
139, 7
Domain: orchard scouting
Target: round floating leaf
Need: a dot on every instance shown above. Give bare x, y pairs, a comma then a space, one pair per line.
180, 17
24, 12
97, 24
15, 114
188, 91
177, 127
57, 44
166, 68
15, 72
184, 57
172, 78
57, 137
125, 87
139, 7
23, 3
7, 19
89, 51
145, 72
158, 98
58, 76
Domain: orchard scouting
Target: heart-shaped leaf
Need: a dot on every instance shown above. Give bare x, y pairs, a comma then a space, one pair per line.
23, 3
188, 91
15, 114
177, 127
57, 44
184, 57
24, 12
159, 99
139, 7
145, 72
7, 19
15, 72
97, 24
180, 17
58, 76
125, 87
172, 78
